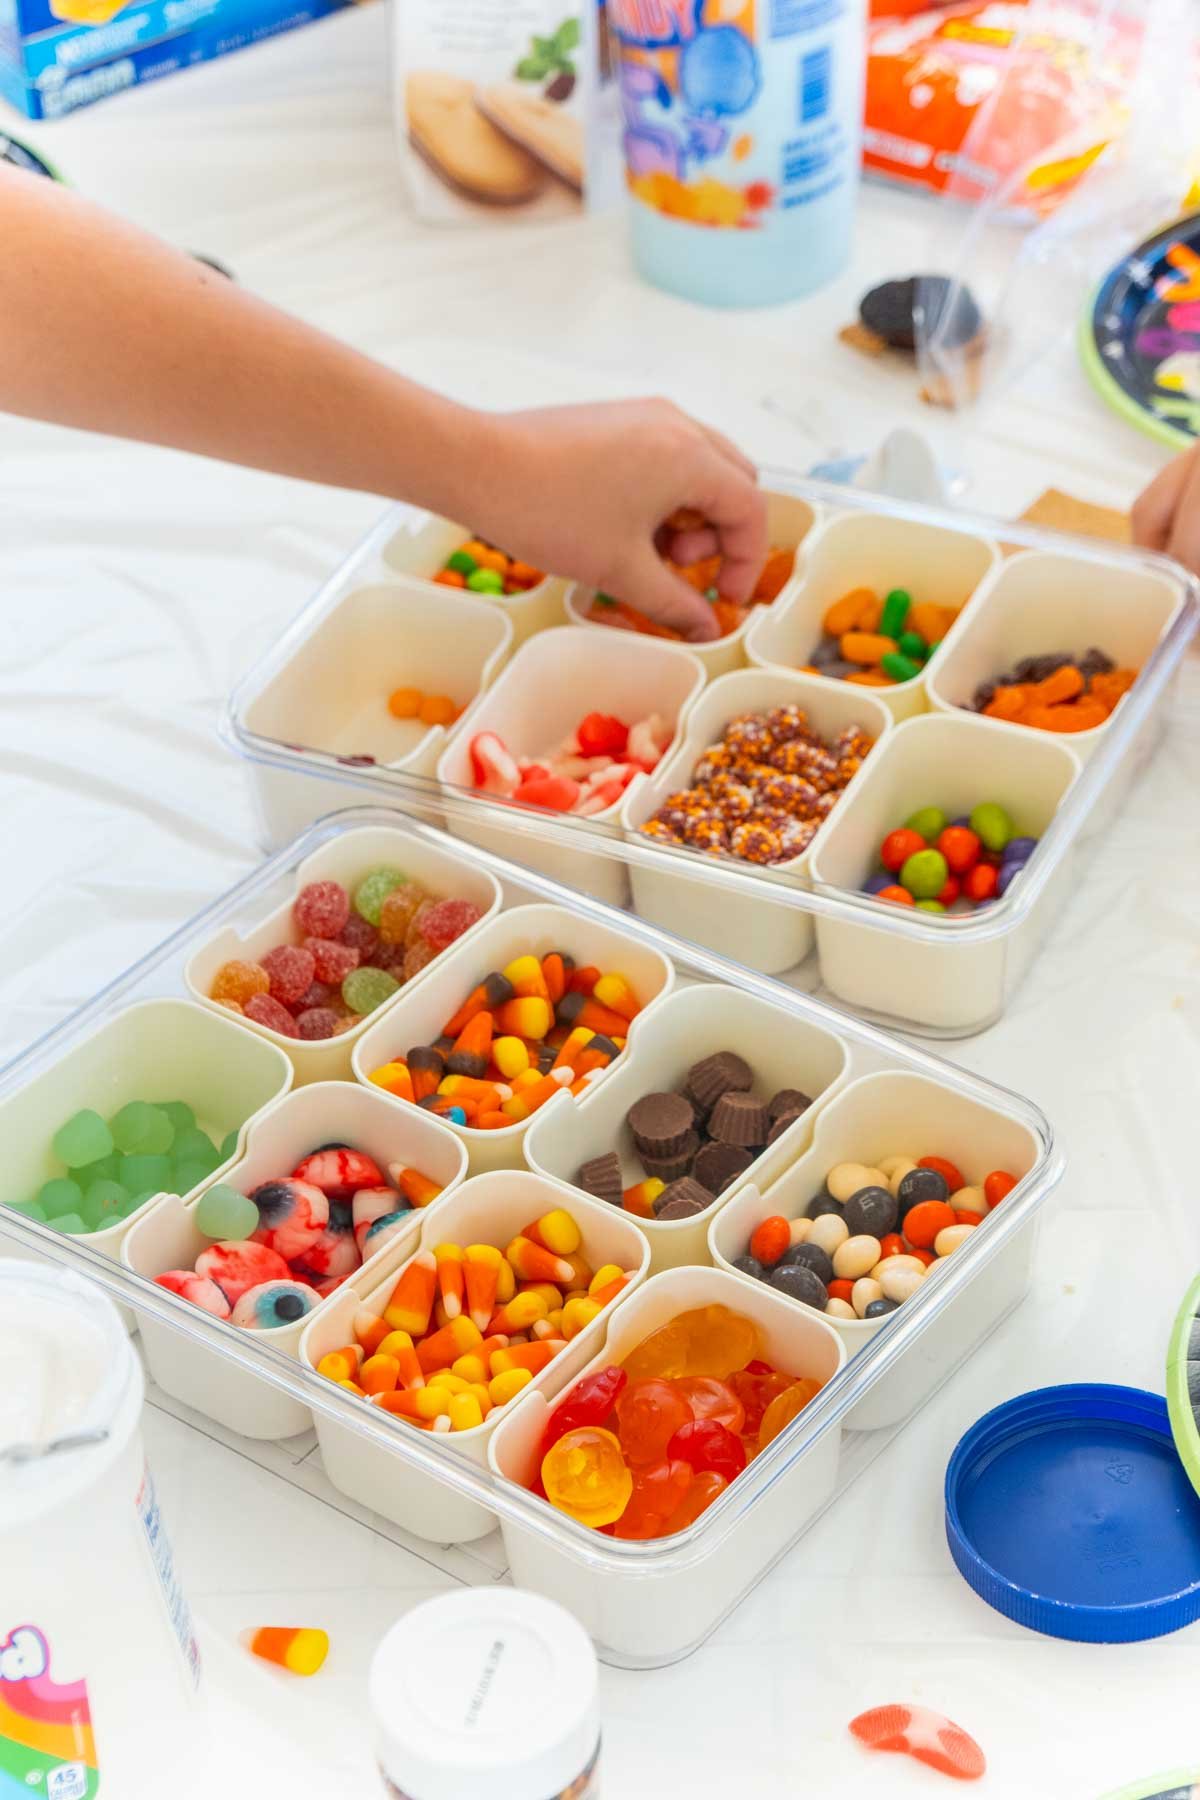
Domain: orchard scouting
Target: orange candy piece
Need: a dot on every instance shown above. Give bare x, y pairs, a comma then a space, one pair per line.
927, 1736
997, 1185
949, 1172
923, 1222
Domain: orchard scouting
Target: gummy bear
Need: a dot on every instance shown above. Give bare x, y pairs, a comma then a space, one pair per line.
709, 1447
658, 1491
589, 1403
784, 1408
586, 1477
649, 1413
713, 1399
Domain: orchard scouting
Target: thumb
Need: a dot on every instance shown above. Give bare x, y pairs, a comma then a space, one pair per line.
665, 597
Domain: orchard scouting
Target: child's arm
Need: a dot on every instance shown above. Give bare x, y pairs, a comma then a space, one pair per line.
1166, 515
104, 328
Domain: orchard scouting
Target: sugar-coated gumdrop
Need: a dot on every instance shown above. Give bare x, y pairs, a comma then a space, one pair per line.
240, 980
301, 1651
291, 969
339, 1171
83, 1139
201, 1290
317, 993
273, 1304
399, 909
361, 934
374, 889
318, 1022
920, 1732
446, 920
333, 960
321, 909
585, 1475
265, 1010
365, 989
221, 1212
292, 1215
236, 1268
417, 956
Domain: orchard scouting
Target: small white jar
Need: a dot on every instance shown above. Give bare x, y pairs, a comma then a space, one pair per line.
487, 1692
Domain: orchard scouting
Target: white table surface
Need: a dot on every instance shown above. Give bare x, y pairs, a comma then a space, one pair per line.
137, 584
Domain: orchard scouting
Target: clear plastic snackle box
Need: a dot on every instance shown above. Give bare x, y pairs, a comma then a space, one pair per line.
764, 916
629, 1593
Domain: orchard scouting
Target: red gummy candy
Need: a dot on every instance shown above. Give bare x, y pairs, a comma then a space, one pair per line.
657, 1493
340, 1172
362, 935
317, 1022
321, 909
600, 734
266, 1011
554, 793
318, 993
919, 1732
291, 970
333, 961
650, 1415
712, 1399
446, 920
756, 1386
710, 1448
589, 1403
494, 768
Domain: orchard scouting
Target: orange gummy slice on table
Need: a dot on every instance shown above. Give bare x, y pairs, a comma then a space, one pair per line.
928, 1736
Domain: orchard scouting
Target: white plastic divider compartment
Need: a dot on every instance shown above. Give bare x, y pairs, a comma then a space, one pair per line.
790, 522
731, 1546
331, 696
419, 1016
418, 546
665, 1616
488, 1209
163, 1049
689, 1024
539, 700
278, 1139
955, 761
768, 937
937, 563
899, 1114
345, 859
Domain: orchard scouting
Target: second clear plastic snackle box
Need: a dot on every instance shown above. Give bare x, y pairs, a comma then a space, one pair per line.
646, 1603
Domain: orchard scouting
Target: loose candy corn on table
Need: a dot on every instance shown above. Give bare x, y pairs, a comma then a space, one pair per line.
119, 845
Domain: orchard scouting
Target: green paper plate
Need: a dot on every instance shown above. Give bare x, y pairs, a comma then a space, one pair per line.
1139, 338
1177, 1784
13, 151
1183, 1383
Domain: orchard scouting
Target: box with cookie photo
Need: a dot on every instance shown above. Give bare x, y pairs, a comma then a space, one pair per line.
505, 108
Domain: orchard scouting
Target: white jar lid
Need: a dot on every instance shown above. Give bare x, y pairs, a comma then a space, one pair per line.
485, 1692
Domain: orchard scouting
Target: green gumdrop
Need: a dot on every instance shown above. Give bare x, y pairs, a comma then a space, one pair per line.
924, 874
194, 1145
105, 1168
180, 1114
60, 1196
84, 1138
29, 1208
229, 1144
136, 1200
365, 989
486, 581
992, 825
374, 889
189, 1175
140, 1129
146, 1174
102, 1204
929, 822
71, 1223
224, 1213
929, 906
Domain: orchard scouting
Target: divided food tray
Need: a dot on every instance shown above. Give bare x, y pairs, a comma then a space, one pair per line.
646, 1603
1021, 591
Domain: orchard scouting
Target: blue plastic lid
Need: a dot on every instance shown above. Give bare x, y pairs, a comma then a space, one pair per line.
1069, 1511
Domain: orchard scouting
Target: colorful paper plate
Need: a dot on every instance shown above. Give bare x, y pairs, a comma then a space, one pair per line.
1140, 336
12, 150
1183, 1383
1178, 1784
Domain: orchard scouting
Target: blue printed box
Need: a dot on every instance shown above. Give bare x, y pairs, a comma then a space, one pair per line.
56, 55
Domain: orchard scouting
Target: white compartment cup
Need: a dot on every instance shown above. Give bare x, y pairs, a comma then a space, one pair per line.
955, 761
761, 934
446, 984
489, 1209
901, 1114
154, 1050
1039, 602
420, 548
656, 1620
690, 1024
552, 681
876, 551
345, 858
325, 1112
790, 520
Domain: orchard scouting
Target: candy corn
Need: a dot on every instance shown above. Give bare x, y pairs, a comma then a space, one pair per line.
302, 1651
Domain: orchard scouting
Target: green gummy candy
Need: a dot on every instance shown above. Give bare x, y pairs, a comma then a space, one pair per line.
895, 611
224, 1213
180, 1114
194, 1145
134, 1201
461, 563
900, 668
189, 1175
60, 1196
992, 825
229, 1144
142, 1130
374, 889
929, 906
913, 645
365, 989
145, 1174
929, 823
102, 1204
105, 1168
29, 1208
83, 1139
924, 874
71, 1223
486, 581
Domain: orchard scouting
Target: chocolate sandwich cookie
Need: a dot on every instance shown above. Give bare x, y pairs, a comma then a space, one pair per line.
722, 1073
739, 1119
602, 1178
682, 1199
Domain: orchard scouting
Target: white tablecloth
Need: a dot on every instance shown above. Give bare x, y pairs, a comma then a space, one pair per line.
136, 585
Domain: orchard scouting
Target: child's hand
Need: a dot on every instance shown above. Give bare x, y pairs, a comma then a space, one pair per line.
592, 492
1166, 516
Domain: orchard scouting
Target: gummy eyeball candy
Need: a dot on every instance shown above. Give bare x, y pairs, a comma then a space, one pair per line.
292, 1215
378, 1214
335, 1253
339, 1171
272, 1304
201, 1290
236, 1268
